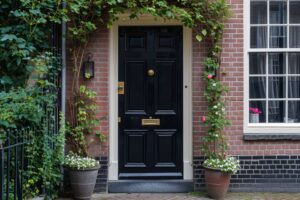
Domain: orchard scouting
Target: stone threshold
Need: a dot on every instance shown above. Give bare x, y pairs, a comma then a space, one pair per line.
150, 186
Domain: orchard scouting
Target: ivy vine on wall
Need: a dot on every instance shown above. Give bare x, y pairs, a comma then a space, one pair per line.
205, 17
25, 26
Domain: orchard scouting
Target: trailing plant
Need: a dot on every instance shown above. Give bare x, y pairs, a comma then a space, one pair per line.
214, 143
45, 156
84, 121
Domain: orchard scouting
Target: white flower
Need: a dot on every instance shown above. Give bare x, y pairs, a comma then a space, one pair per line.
77, 162
214, 84
229, 164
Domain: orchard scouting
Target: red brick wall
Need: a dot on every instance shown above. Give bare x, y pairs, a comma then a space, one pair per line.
232, 64
99, 47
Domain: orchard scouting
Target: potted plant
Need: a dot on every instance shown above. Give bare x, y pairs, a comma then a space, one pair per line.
218, 173
81, 130
254, 115
218, 167
83, 174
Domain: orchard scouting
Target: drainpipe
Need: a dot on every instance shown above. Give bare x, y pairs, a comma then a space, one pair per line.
64, 64
63, 77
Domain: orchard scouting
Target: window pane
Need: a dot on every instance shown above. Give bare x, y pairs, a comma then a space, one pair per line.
277, 63
294, 87
257, 87
294, 12
258, 37
277, 37
261, 106
294, 63
257, 63
276, 111
278, 12
295, 36
276, 87
258, 12
294, 110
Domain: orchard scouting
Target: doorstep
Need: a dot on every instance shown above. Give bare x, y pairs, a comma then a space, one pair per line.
150, 186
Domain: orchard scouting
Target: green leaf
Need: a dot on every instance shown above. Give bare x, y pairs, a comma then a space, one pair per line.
5, 80
8, 37
204, 32
199, 38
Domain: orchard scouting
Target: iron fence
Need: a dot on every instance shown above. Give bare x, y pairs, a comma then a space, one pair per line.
12, 163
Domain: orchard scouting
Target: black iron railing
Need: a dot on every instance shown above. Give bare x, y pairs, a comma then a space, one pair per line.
12, 163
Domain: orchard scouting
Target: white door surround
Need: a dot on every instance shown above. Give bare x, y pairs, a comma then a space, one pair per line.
148, 20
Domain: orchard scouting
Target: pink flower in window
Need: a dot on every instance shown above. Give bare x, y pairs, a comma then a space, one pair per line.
255, 110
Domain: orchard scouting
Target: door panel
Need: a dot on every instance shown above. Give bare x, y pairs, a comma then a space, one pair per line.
150, 150
135, 87
166, 87
135, 140
165, 148
136, 41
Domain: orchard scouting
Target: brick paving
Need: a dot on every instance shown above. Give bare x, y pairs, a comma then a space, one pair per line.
164, 196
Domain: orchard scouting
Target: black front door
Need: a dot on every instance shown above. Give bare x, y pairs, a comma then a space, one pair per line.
150, 102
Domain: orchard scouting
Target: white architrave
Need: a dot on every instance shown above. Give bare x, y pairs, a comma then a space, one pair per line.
148, 20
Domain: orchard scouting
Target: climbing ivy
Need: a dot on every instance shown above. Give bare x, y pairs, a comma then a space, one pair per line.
205, 17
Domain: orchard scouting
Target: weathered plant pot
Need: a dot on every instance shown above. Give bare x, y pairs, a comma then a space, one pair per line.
83, 182
217, 183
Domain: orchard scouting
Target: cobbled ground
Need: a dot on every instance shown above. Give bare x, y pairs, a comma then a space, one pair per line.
195, 196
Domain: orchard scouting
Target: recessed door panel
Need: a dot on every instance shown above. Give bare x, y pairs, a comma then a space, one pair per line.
165, 148
136, 41
150, 109
135, 87
166, 87
135, 152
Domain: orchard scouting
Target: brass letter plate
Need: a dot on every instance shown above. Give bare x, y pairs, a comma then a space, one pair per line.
121, 88
150, 122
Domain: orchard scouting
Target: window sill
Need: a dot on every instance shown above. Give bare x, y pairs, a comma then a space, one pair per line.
271, 136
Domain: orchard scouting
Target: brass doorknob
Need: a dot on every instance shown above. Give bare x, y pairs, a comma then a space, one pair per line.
150, 72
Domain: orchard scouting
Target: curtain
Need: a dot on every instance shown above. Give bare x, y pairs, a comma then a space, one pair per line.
294, 37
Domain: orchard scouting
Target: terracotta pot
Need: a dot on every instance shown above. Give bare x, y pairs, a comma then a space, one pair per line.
216, 182
83, 182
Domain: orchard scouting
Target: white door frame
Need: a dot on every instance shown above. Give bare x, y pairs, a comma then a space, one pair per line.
148, 20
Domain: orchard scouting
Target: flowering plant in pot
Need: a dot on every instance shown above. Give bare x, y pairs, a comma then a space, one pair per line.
254, 115
218, 165
83, 173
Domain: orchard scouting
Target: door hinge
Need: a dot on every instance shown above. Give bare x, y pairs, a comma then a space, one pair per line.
119, 119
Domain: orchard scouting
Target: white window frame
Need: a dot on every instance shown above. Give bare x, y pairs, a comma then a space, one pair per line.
266, 128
